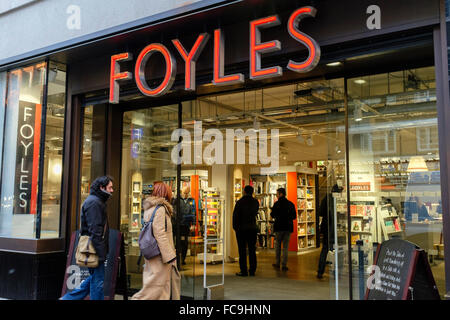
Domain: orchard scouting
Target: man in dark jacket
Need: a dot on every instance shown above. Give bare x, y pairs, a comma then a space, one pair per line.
244, 224
326, 211
187, 219
94, 223
283, 211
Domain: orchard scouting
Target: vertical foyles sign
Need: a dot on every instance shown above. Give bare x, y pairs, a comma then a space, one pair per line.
27, 166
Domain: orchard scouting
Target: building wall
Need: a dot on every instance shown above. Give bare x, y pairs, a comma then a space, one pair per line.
41, 23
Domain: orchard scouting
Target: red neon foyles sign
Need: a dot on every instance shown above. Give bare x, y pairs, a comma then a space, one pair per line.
257, 48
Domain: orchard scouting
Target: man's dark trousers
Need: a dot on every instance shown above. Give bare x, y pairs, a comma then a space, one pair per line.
323, 256
247, 239
184, 241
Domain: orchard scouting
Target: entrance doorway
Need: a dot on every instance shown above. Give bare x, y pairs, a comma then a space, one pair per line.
299, 146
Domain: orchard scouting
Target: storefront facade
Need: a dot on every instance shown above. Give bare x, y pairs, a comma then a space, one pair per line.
326, 96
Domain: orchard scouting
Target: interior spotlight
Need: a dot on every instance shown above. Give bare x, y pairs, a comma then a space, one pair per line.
309, 141
357, 113
256, 124
300, 136
334, 64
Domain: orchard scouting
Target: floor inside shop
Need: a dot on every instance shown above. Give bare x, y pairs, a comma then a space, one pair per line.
298, 283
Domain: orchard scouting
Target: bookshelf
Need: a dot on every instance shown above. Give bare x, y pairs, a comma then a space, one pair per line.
307, 224
341, 218
265, 192
135, 209
238, 186
213, 228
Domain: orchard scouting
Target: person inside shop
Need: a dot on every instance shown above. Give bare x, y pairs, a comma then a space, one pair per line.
422, 210
161, 279
283, 212
94, 223
326, 211
439, 209
415, 206
187, 219
244, 224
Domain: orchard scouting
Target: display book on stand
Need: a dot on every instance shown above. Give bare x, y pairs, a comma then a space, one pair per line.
265, 188
306, 210
213, 228
370, 223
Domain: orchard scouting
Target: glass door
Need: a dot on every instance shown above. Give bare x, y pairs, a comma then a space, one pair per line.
290, 137
93, 149
146, 160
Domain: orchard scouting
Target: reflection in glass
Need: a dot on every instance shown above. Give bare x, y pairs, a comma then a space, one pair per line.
21, 146
86, 156
53, 164
394, 166
146, 159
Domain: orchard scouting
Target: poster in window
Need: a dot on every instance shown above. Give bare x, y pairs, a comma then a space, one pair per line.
27, 158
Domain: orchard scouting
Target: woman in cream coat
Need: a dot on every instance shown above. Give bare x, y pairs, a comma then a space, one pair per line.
161, 279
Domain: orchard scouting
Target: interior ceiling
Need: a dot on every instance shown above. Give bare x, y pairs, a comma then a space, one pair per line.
289, 105
302, 111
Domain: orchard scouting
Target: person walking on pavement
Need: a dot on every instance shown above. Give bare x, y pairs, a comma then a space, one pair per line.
94, 223
244, 224
161, 279
283, 212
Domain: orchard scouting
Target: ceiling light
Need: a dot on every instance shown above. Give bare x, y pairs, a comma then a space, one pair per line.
360, 81
309, 141
334, 64
417, 164
57, 169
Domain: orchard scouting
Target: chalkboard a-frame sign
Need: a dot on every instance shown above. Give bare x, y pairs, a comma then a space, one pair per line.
404, 273
115, 268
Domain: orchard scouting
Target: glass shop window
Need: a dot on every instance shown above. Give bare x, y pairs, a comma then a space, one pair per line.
33, 128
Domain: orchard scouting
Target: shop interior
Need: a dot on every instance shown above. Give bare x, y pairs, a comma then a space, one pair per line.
393, 178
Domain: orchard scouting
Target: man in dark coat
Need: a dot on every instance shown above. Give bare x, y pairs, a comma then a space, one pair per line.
283, 211
244, 224
187, 219
326, 211
94, 223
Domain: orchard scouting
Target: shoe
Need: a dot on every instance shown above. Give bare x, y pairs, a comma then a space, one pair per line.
183, 263
276, 266
251, 274
319, 276
240, 274
284, 268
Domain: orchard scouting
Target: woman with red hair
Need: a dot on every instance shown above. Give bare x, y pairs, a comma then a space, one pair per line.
161, 279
